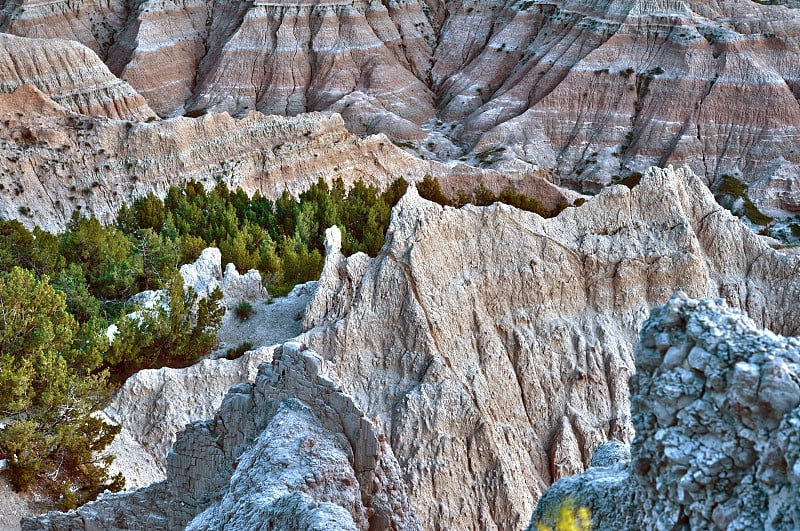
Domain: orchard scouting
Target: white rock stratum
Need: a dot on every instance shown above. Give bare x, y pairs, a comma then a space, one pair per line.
495, 346
154, 404
290, 451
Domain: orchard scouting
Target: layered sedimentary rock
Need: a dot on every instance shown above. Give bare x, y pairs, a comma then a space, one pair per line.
53, 162
715, 405
593, 90
71, 75
495, 346
291, 450
155, 404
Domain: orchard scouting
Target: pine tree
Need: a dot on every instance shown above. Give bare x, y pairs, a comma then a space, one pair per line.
49, 386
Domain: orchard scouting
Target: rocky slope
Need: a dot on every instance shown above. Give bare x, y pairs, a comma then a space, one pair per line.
495, 346
291, 451
54, 162
71, 75
154, 405
716, 409
587, 88
491, 346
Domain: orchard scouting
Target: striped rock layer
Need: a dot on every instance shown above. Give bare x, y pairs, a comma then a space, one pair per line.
54, 161
593, 89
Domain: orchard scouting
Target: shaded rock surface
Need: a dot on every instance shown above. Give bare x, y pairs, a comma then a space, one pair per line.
715, 407
491, 346
495, 346
292, 449
13, 506
589, 89
154, 404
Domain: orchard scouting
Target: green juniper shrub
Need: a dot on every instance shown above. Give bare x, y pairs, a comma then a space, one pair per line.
237, 352
243, 310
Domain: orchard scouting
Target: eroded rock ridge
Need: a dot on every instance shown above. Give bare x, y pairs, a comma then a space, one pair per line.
291, 450
491, 346
54, 162
590, 89
495, 346
715, 406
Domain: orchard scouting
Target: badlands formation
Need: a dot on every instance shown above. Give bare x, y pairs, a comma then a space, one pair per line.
54, 161
484, 353
590, 90
716, 405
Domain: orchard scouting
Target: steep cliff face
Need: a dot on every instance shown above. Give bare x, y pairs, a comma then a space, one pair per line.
291, 450
590, 89
716, 409
53, 162
495, 346
71, 75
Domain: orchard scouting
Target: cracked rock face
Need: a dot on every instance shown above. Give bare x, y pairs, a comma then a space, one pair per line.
495, 346
715, 404
490, 349
291, 450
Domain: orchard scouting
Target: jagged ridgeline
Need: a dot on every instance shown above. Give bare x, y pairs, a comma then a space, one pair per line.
62, 292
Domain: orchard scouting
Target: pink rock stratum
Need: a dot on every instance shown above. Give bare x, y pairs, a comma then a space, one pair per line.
592, 89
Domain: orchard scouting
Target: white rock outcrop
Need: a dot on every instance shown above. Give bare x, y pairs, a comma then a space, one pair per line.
492, 347
291, 450
495, 347
716, 407
154, 404
205, 275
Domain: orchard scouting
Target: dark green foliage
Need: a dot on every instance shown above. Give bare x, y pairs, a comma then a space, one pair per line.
732, 186
483, 196
430, 190
730, 189
244, 310
283, 239
106, 255
80, 302
56, 362
167, 335
49, 383
631, 180
35, 250
236, 353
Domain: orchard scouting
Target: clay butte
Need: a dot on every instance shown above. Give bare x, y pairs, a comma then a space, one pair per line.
592, 90
489, 348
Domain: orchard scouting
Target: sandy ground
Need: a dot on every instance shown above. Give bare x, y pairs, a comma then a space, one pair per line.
12, 507
272, 322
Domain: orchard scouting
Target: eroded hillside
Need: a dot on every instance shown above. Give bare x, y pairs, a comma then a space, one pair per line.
492, 347
593, 90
